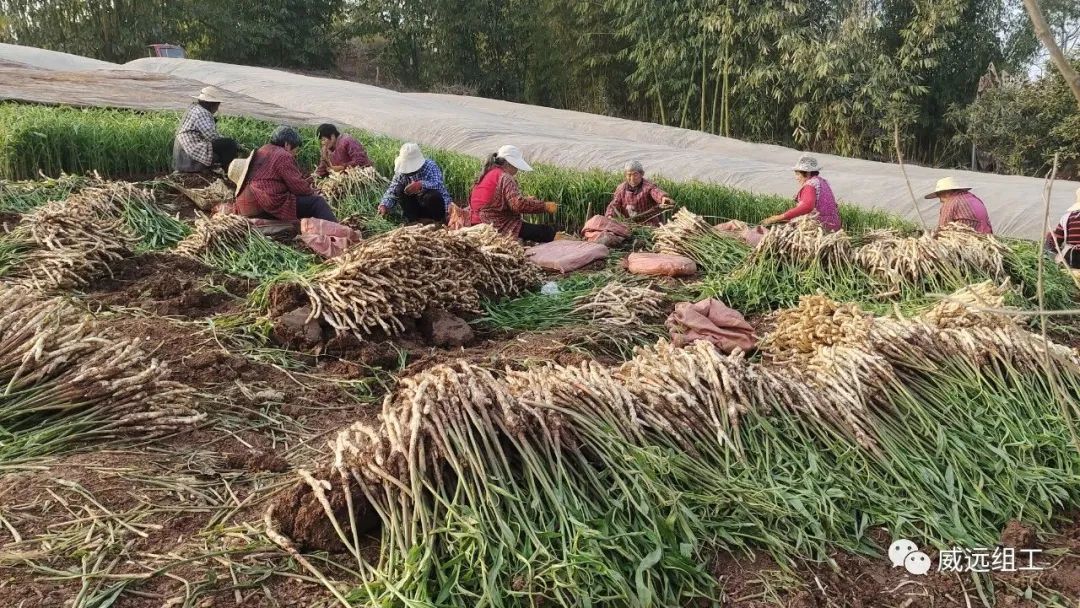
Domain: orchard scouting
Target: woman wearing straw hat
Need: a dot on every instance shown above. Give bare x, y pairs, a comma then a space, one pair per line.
815, 195
1064, 241
637, 198
418, 185
198, 146
959, 205
270, 184
497, 200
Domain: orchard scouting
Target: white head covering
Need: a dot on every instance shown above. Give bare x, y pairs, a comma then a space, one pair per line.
807, 163
945, 184
513, 156
1076, 205
409, 159
209, 95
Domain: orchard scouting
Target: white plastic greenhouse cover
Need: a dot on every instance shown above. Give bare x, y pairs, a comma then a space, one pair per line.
479, 126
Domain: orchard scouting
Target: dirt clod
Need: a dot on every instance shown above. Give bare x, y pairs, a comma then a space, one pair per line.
1018, 536
295, 326
441, 328
256, 462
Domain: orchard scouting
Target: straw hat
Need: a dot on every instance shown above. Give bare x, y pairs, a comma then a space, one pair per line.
513, 156
409, 159
238, 170
945, 184
807, 163
209, 95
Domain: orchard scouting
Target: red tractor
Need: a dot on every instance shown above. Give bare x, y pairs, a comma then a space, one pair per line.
166, 50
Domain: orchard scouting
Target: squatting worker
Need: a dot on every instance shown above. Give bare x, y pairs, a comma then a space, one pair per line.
637, 197
338, 151
814, 195
270, 184
197, 145
1064, 241
497, 200
418, 186
959, 205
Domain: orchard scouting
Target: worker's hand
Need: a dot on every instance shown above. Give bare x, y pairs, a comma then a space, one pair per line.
414, 188
772, 219
383, 210
666, 203
551, 207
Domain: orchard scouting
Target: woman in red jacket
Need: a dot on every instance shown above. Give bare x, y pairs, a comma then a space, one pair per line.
496, 199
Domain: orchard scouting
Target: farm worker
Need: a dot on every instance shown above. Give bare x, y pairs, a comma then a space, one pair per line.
197, 145
814, 194
497, 200
270, 184
1064, 241
418, 185
638, 197
338, 151
959, 205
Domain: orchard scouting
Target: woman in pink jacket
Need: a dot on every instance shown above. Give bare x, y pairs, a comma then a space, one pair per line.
496, 199
814, 195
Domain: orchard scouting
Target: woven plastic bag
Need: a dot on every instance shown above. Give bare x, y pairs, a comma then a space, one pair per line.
660, 265
326, 238
566, 256
604, 230
712, 321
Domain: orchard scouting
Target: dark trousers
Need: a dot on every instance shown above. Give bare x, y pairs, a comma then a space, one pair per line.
1072, 258
225, 151
426, 205
314, 206
537, 233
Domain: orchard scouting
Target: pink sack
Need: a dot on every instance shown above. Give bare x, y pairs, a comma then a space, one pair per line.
604, 230
712, 321
742, 231
660, 265
566, 256
326, 238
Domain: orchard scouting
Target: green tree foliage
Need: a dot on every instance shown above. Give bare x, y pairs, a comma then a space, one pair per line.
1022, 124
263, 32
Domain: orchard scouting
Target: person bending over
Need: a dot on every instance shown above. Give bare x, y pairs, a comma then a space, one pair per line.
270, 184
417, 186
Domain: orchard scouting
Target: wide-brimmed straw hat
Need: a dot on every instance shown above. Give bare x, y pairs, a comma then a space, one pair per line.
409, 159
210, 95
513, 156
238, 171
944, 185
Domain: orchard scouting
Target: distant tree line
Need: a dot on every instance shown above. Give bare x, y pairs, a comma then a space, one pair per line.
832, 76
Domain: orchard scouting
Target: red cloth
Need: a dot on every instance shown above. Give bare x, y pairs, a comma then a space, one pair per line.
482, 193
507, 206
712, 321
630, 202
347, 153
273, 182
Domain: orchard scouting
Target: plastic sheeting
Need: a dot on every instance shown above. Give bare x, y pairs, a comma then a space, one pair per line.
573, 139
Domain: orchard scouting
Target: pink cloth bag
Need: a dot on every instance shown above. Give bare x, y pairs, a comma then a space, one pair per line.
712, 321
660, 265
604, 230
327, 238
566, 256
